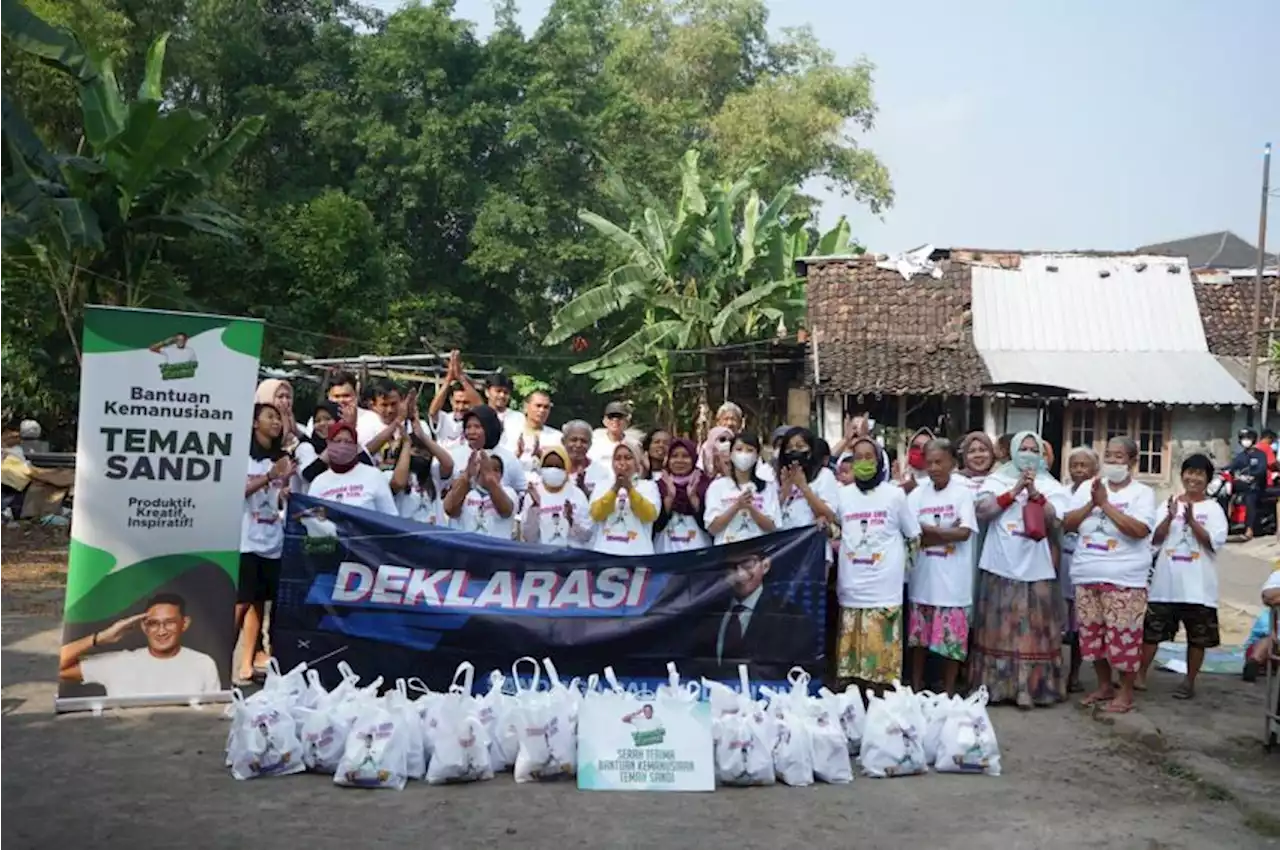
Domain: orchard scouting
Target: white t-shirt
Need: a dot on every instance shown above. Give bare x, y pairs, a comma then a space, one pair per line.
721, 496
602, 447
794, 510
1186, 572
548, 515
1102, 553
362, 486
261, 525
1070, 540
513, 474
874, 527
415, 503
534, 443
943, 575
449, 430
622, 532
173, 354
599, 474
479, 516
1007, 551
136, 672
368, 425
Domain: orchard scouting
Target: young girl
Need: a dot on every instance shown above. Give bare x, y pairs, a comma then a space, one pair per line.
625, 509
261, 526
479, 501
557, 513
684, 489
741, 505
421, 464
347, 480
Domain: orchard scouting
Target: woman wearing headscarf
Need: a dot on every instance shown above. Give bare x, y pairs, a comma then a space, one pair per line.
348, 481
310, 453
977, 458
279, 394
482, 432
1017, 634
684, 491
557, 513
875, 527
626, 508
1082, 466
713, 454
915, 473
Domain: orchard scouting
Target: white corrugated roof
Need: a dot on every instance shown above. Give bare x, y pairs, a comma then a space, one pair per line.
1077, 309
1184, 377
1108, 328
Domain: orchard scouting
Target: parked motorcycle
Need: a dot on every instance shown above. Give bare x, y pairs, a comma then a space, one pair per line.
1228, 489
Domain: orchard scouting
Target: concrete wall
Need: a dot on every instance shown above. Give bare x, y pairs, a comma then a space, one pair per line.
1199, 429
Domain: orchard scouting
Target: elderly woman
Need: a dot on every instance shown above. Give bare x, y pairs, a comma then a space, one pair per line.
1114, 517
1017, 642
977, 458
1082, 466
875, 525
684, 491
576, 436
625, 508
556, 509
730, 416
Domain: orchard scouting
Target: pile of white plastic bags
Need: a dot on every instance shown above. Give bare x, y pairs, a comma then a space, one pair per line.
367, 740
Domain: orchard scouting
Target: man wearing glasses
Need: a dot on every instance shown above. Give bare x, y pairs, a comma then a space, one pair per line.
163, 666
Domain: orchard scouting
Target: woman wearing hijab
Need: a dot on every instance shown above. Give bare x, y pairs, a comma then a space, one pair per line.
713, 454
557, 513
875, 527
626, 508
915, 472
310, 454
347, 480
279, 394
684, 491
1017, 634
482, 431
977, 458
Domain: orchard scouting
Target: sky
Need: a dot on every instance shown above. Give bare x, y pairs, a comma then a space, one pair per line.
1051, 124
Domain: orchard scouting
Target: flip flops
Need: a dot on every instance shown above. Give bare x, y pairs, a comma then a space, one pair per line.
1185, 690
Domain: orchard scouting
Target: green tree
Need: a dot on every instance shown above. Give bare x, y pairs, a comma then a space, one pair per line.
714, 268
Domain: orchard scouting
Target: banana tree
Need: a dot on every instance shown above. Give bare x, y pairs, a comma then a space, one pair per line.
718, 269
95, 220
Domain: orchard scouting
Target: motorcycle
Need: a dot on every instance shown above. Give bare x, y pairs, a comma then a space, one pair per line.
1228, 489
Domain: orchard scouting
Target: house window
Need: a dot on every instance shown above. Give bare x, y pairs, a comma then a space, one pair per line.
1149, 428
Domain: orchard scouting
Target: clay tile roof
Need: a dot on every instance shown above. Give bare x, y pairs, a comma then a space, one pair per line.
1226, 309
878, 333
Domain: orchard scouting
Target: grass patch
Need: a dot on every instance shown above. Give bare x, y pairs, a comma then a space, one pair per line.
1263, 823
1212, 790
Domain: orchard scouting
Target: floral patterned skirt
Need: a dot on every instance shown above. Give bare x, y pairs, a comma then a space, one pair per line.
942, 631
870, 644
1017, 640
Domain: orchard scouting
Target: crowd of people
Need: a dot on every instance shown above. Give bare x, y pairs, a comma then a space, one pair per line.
971, 561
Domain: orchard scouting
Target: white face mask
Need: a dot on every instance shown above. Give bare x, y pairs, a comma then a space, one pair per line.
1115, 473
1246, 444
554, 477
743, 461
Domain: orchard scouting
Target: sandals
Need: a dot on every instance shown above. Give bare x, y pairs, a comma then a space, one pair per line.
1185, 690
1114, 707
1095, 699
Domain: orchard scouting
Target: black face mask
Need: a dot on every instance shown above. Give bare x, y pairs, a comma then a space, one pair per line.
799, 457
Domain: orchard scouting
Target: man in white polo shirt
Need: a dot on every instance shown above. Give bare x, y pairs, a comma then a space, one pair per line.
163, 667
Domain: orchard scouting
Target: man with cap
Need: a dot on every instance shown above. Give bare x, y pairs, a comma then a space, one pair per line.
617, 416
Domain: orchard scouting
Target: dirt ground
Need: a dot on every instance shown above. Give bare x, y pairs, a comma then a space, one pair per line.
1173, 775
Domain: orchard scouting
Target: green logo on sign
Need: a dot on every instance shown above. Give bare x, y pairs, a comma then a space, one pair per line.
177, 371
649, 738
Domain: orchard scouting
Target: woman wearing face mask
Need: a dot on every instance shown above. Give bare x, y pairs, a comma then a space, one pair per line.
626, 508
1082, 466
741, 505
656, 445
1017, 633
713, 456
261, 528
1184, 588
680, 525
557, 513
347, 480
310, 454
479, 501
875, 527
809, 491
915, 472
1114, 517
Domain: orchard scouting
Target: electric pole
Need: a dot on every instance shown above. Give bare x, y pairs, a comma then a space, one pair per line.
1255, 337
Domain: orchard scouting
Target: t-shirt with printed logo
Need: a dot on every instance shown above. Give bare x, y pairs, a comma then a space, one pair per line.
874, 528
1105, 556
943, 574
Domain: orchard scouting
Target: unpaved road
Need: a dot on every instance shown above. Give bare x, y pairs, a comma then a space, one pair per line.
146, 779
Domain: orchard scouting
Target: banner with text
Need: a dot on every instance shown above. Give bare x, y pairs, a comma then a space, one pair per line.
395, 598
166, 403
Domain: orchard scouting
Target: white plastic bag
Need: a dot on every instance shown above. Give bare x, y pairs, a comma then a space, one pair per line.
893, 738
426, 706
410, 725
967, 743
497, 711
792, 749
853, 717
460, 747
264, 740
375, 755
742, 733
827, 739
547, 728
934, 708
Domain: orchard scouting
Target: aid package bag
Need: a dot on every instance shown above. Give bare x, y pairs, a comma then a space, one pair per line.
827, 739
893, 737
934, 708
283, 690
853, 717
742, 734
375, 755
460, 745
406, 711
967, 741
497, 710
792, 749
264, 738
546, 728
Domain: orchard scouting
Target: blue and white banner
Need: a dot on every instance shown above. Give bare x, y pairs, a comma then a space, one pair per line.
395, 598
